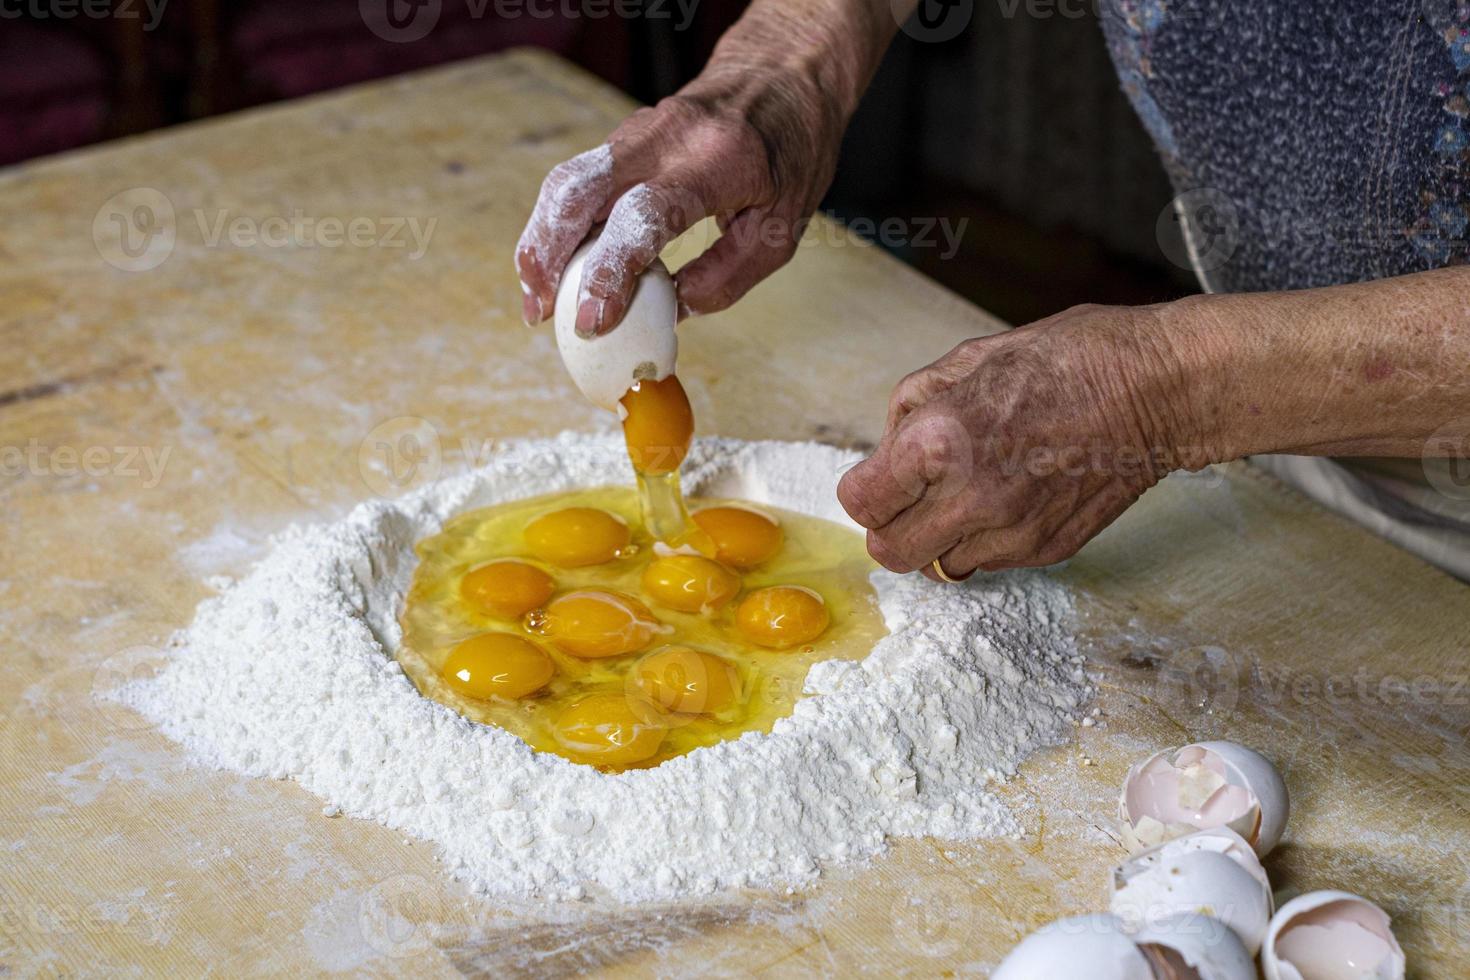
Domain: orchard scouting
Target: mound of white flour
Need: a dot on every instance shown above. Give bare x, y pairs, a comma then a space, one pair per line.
290, 673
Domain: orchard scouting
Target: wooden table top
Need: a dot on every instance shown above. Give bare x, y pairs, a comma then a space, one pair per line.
170, 398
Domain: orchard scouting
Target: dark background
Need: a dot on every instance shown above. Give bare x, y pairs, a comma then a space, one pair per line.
1016, 124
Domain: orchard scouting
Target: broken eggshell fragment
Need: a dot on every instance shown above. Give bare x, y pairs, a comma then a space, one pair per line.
1100, 947
1194, 947
1202, 786
1209, 872
1331, 935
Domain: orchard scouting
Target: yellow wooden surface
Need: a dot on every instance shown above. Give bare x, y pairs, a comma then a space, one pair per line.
268, 373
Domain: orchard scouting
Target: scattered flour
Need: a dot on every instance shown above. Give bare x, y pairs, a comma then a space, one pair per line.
290, 673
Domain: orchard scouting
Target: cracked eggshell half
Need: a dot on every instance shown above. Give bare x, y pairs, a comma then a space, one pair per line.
643, 346
1328, 935
1194, 947
1095, 946
1202, 786
1208, 873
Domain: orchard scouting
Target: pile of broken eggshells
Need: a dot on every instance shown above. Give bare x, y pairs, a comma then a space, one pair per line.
1194, 903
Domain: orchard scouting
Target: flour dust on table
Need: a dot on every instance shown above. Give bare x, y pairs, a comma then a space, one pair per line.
291, 672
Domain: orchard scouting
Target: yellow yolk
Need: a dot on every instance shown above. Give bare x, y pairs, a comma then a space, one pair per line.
506, 588
743, 538
498, 665
689, 583
782, 616
592, 624
577, 536
658, 426
609, 730
680, 678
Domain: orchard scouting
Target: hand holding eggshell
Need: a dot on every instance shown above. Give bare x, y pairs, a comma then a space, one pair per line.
642, 348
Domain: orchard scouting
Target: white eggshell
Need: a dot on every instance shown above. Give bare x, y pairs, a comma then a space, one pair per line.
1205, 945
1095, 946
1203, 785
643, 346
1211, 873
1331, 935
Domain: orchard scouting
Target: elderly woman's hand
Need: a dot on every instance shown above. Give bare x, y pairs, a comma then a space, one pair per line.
752, 143
1016, 449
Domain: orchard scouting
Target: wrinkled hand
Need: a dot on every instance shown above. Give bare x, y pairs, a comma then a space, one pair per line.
755, 150
1017, 449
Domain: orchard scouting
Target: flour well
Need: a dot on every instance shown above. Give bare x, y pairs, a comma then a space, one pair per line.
290, 673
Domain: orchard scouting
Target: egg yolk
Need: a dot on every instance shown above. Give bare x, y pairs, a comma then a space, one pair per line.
658, 426
743, 538
609, 730
593, 624
497, 665
686, 680
689, 583
782, 616
508, 589
577, 536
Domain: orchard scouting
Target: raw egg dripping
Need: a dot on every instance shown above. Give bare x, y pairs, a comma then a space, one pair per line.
658, 426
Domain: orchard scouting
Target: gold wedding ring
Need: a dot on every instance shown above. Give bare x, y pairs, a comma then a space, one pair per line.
939, 570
